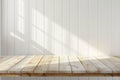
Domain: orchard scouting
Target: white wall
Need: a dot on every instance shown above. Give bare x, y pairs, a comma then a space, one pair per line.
85, 27
0, 26
80, 27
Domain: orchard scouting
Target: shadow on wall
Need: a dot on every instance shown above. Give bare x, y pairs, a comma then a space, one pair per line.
55, 30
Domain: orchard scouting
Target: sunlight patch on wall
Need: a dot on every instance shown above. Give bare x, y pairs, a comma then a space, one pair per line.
20, 16
49, 35
15, 36
37, 33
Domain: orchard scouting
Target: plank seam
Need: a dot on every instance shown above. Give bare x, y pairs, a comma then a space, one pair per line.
16, 63
70, 65
38, 64
82, 64
105, 64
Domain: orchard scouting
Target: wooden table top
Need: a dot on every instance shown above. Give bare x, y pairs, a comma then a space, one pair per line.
39, 65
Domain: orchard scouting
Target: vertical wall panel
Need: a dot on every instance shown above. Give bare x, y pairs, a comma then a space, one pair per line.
33, 27
39, 26
93, 36
104, 28
115, 27
10, 32
25, 28
84, 28
58, 22
0, 23
4, 29
66, 24
74, 27
49, 25
19, 24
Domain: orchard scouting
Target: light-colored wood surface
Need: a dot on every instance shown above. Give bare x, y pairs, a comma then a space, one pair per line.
31, 65
76, 65
9, 63
89, 67
43, 65
65, 66
54, 65
47, 65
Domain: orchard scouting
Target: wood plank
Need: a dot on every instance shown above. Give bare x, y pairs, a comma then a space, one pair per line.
65, 66
31, 65
54, 65
76, 65
5, 66
59, 66
90, 68
43, 65
17, 68
106, 61
100, 66
4, 58
116, 62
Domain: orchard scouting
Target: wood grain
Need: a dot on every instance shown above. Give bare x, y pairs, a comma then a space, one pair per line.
6, 65
48, 65
31, 65
90, 68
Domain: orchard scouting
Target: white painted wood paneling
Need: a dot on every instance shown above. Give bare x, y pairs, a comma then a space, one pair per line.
74, 27
104, 29
115, 26
61, 27
57, 30
66, 24
83, 28
4, 23
0, 23
93, 27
